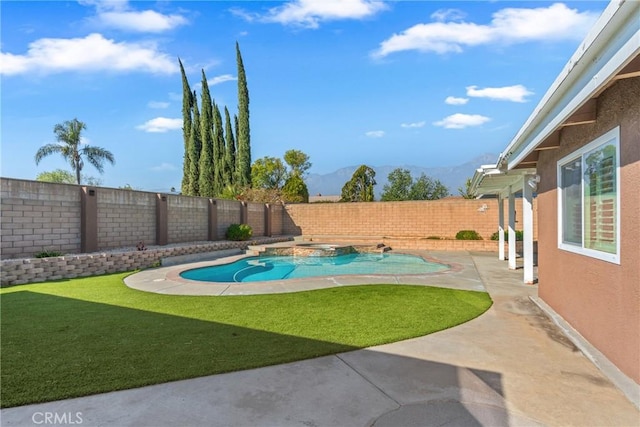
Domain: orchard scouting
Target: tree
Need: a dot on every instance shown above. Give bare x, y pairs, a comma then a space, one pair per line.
399, 186
206, 166
268, 172
229, 152
69, 135
295, 190
243, 154
59, 176
187, 107
402, 186
62, 176
425, 188
297, 161
360, 187
218, 151
465, 191
195, 149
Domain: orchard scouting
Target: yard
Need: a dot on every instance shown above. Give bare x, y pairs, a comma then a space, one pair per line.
84, 336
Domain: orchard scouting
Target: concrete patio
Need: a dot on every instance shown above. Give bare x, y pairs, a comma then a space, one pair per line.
511, 366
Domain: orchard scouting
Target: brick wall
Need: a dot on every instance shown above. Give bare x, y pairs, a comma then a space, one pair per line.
36, 217
277, 214
125, 217
255, 218
418, 219
228, 213
187, 219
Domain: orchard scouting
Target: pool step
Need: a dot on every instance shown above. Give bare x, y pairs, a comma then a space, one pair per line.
254, 250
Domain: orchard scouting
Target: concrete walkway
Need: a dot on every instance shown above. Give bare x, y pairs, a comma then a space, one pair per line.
509, 367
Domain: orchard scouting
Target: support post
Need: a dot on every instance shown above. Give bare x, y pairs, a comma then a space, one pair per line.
213, 220
500, 228
162, 220
267, 220
512, 229
88, 219
527, 224
244, 213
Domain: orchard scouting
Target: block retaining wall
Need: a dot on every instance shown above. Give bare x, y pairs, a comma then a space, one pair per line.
31, 270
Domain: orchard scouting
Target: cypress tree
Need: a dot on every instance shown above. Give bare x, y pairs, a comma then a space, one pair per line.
236, 165
243, 134
230, 151
195, 147
218, 151
207, 167
187, 102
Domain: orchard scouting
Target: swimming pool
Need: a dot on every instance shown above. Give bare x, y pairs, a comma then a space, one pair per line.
265, 268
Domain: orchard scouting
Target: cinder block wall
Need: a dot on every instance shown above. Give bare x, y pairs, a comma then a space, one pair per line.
36, 217
229, 212
277, 214
437, 218
256, 218
125, 218
187, 219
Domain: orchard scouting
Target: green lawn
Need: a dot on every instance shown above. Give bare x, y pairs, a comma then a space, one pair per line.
83, 336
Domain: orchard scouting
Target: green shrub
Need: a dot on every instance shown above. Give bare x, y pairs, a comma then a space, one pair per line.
519, 235
47, 254
468, 235
239, 232
434, 238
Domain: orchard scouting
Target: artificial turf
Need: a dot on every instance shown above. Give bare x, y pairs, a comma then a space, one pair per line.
83, 336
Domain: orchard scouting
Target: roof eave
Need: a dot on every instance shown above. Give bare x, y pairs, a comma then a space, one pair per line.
611, 44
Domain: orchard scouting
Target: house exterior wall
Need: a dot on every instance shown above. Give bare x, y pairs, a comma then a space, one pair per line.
598, 298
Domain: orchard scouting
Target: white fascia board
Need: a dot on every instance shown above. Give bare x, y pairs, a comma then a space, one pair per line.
609, 46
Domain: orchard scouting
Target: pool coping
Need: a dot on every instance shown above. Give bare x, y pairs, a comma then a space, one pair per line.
167, 280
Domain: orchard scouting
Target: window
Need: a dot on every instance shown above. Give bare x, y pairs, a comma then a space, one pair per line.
588, 199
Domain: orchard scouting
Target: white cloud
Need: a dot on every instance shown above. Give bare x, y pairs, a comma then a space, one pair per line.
375, 134
118, 15
452, 100
412, 125
516, 93
461, 121
448, 15
163, 167
91, 53
147, 21
221, 79
161, 125
508, 26
309, 13
158, 104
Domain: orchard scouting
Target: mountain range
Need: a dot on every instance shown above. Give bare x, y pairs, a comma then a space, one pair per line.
452, 177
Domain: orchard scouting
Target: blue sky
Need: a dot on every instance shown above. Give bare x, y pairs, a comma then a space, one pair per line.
348, 82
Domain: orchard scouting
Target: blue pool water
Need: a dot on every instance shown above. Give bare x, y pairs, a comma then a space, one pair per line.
265, 268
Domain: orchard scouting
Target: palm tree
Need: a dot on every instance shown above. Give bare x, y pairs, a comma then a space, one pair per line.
69, 146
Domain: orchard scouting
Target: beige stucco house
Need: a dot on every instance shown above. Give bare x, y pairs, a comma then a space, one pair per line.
580, 152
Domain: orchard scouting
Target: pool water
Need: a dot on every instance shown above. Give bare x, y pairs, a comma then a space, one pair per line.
255, 269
